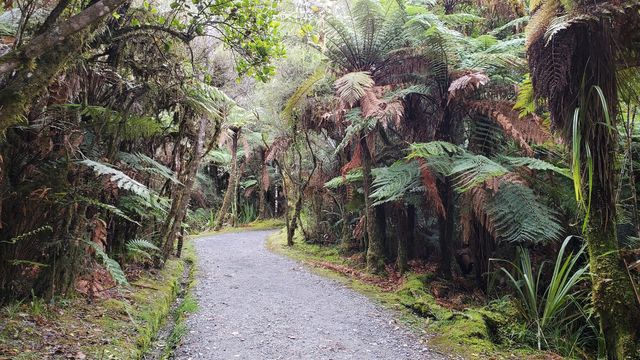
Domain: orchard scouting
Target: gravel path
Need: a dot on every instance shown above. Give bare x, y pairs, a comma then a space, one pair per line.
254, 304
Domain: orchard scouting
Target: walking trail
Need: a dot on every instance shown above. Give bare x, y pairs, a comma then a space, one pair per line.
254, 304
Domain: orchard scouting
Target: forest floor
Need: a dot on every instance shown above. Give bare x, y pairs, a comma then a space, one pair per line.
254, 304
119, 323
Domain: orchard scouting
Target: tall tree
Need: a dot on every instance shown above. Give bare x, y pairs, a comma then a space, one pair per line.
575, 50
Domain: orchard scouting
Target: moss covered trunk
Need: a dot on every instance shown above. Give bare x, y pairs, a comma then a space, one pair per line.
446, 227
179, 205
375, 263
231, 186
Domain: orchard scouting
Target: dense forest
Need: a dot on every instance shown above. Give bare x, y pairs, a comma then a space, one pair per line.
490, 143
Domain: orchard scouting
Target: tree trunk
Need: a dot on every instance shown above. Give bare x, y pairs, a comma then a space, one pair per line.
179, 205
375, 263
403, 236
446, 224
293, 224
231, 186
594, 64
263, 187
612, 292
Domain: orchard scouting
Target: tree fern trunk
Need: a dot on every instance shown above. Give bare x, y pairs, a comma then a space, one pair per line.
446, 224
375, 263
403, 236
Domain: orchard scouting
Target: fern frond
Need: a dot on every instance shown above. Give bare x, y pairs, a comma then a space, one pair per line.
526, 100
351, 87
307, 85
358, 125
518, 216
393, 182
470, 170
537, 164
349, 178
28, 234
118, 177
516, 24
433, 148
108, 207
141, 247
111, 265
139, 160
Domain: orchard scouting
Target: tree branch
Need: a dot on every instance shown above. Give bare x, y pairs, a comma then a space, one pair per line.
43, 42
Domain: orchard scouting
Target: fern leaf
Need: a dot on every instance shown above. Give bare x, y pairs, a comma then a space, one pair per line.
118, 177
518, 216
433, 148
111, 265
393, 182
108, 207
145, 163
351, 87
471, 170
537, 164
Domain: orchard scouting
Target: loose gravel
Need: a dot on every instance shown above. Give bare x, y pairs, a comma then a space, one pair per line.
254, 304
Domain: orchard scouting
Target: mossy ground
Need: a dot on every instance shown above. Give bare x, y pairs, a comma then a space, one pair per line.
476, 332
121, 327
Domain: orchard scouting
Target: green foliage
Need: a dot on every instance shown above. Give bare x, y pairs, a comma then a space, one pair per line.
392, 183
141, 248
28, 234
122, 180
338, 181
111, 265
357, 125
518, 216
208, 100
536, 164
469, 171
142, 162
352, 86
294, 101
526, 102
433, 148
556, 305
366, 36
249, 28
108, 207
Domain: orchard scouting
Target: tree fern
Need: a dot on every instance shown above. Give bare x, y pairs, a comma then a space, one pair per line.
118, 177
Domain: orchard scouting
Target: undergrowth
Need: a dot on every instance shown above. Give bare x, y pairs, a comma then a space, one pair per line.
118, 327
